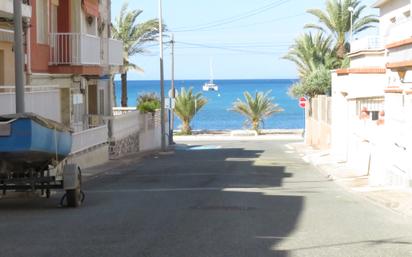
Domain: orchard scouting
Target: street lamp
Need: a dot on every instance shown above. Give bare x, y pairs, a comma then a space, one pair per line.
162, 87
350, 9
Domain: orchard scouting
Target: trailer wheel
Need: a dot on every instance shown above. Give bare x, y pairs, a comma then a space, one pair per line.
74, 196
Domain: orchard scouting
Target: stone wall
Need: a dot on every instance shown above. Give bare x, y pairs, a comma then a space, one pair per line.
124, 146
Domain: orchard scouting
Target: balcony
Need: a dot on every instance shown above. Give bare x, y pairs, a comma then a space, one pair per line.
400, 31
84, 49
367, 44
6, 9
400, 57
74, 49
115, 52
6, 35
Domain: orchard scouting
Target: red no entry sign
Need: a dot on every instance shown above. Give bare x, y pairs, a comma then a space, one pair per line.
302, 102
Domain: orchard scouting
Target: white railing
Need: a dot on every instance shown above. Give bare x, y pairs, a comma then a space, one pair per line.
6, 35
399, 31
43, 100
400, 54
87, 139
74, 49
6, 6
367, 43
115, 52
122, 110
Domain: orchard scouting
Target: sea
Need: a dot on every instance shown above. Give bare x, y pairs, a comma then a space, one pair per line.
216, 114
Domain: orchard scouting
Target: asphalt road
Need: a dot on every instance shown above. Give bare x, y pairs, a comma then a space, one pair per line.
222, 199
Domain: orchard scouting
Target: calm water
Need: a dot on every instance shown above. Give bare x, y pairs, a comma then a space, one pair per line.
215, 114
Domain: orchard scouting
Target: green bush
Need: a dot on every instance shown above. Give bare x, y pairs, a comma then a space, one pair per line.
148, 102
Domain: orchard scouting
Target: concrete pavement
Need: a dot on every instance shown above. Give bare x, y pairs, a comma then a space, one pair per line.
207, 199
395, 199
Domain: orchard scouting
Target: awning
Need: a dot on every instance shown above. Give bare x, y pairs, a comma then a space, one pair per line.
91, 7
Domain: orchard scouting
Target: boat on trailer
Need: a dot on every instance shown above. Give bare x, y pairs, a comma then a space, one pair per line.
33, 156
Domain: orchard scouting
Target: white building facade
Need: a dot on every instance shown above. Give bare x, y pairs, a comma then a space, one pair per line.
372, 100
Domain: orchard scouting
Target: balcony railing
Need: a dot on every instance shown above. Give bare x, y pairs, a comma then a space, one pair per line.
38, 99
400, 31
399, 55
84, 49
367, 43
74, 49
115, 52
6, 8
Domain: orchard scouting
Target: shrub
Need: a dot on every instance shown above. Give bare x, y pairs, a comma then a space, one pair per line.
148, 102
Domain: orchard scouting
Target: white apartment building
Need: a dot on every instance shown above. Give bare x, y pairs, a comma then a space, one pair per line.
372, 100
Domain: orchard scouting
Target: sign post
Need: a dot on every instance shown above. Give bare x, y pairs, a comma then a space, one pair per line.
302, 102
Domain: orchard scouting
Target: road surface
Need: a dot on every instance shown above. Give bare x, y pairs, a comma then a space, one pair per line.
214, 199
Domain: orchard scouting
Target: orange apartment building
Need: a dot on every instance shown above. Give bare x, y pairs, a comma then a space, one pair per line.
69, 51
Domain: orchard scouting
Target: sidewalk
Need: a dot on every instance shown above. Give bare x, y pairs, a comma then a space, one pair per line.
112, 165
398, 200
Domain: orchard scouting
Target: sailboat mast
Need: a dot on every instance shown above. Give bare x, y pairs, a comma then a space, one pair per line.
211, 71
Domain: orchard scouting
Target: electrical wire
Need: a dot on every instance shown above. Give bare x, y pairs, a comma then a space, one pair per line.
224, 48
233, 19
247, 25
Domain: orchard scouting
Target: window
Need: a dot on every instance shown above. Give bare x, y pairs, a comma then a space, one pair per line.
369, 108
42, 21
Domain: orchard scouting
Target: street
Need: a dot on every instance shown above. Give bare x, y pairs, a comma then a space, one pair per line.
209, 199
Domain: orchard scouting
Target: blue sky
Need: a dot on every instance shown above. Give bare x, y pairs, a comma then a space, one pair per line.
244, 39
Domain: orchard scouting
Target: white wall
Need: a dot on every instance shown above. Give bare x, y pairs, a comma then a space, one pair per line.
392, 9
369, 60
44, 103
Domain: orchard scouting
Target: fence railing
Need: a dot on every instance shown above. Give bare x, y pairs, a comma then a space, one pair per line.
74, 49
89, 138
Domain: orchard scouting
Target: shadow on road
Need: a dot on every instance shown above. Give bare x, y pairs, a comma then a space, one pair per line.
218, 202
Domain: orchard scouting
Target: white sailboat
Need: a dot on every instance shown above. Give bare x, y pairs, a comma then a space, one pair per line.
210, 86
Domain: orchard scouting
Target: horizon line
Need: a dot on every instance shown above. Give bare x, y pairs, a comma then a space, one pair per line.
208, 79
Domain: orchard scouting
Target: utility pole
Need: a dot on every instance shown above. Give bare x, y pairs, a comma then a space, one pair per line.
162, 87
18, 56
171, 112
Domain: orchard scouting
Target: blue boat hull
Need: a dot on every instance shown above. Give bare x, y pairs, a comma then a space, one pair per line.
29, 142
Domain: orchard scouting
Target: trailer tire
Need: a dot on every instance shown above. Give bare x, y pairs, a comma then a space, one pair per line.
74, 197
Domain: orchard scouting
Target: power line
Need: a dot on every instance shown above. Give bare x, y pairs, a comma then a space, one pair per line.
247, 25
229, 18
233, 19
225, 48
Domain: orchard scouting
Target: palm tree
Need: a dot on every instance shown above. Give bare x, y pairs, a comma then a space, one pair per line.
336, 20
186, 106
134, 37
256, 109
309, 52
